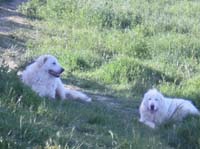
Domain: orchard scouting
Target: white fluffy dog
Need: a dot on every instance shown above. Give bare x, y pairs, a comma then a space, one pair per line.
156, 109
43, 77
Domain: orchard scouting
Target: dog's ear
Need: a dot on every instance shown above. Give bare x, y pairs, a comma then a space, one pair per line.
41, 60
45, 59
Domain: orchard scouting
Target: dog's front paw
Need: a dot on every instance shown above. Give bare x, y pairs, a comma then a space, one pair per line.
152, 125
87, 99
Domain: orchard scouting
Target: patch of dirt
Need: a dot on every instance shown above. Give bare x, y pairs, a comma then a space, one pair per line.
11, 46
126, 106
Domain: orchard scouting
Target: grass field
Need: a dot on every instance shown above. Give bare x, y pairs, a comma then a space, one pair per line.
117, 49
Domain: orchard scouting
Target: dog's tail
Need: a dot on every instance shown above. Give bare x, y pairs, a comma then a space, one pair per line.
197, 113
194, 111
73, 94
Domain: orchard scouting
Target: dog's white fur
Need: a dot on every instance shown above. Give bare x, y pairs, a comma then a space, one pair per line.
156, 109
43, 77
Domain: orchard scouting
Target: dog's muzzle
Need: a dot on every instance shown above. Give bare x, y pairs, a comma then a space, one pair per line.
152, 108
56, 74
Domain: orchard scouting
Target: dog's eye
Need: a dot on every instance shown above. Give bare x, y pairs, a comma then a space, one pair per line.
156, 99
149, 98
54, 63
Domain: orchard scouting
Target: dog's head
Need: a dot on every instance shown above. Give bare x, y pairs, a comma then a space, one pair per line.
49, 64
153, 100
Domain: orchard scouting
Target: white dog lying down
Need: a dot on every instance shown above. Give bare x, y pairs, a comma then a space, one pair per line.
156, 109
43, 77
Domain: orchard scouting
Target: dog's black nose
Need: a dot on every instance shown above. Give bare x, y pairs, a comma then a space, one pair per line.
62, 69
152, 107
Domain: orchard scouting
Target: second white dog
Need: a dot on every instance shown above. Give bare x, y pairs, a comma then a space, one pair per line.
43, 76
156, 109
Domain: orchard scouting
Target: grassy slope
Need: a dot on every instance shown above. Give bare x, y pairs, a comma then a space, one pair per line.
30, 121
126, 46
119, 48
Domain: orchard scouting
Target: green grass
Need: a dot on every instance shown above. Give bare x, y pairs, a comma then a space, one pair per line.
30, 121
126, 46
115, 48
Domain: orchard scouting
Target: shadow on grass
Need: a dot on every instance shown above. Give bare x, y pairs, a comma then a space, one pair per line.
9, 41
89, 85
12, 24
107, 96
12, 21
12, 41
11, 4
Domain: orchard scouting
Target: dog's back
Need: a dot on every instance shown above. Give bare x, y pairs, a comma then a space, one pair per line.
180, 108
